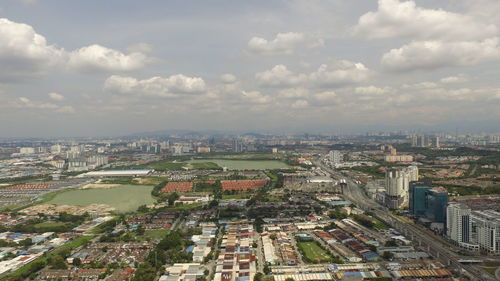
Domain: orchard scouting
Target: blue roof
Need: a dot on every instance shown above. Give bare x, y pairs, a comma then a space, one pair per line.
189, 249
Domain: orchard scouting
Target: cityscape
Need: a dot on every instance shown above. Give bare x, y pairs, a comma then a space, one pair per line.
297, 140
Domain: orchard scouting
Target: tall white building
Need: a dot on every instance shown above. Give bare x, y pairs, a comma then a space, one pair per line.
473, 230
57, 148
459, 224
336, 156
397, 186
27, 150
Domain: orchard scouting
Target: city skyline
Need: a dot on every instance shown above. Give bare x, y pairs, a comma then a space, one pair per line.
119, 68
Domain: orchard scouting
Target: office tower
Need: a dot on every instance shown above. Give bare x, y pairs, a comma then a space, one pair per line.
436, 200
417, 197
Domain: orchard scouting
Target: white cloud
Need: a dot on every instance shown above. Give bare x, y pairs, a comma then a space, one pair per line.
326, 96
279, 75
340, 72
292, 93
437, 54
96, 57
371, 90
56, 96
256, 97
299, 104
454, 79
24, 102
404, 19
284, 43
23, 52
156, 86
420, 86
228, 78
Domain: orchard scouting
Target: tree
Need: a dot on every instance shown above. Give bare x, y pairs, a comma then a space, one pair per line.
172, 197
388, 255
140, 230
77, 262
258, 276
57, 262
391, 243
26, 242
267, 270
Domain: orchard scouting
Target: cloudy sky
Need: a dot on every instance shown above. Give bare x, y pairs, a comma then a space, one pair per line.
115, 67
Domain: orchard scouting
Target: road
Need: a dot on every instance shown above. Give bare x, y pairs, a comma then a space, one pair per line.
355, 194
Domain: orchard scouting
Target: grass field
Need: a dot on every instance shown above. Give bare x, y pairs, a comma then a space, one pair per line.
244, 164
125, 198
156, 233
313, 252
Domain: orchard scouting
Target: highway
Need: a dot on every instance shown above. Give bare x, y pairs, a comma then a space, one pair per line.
355, 194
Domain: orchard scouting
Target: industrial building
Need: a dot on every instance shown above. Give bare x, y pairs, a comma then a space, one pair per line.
117, 173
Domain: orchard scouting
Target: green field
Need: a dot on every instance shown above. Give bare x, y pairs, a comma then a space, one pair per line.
244, 164
156, 233
125, 198
313, 252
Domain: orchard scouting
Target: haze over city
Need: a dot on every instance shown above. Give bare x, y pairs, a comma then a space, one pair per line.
94, 68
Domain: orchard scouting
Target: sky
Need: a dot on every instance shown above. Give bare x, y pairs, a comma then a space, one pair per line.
118, 67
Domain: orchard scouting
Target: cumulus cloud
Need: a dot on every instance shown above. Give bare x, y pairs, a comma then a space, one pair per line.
404, 19
284, 43
292, 93
279, 75
371, 90
256, 97
326, 96
340, 72
96, 57
23, 52
454, 79
156, 86
228, 78
56, 96
24, 102
437, 54
299, 104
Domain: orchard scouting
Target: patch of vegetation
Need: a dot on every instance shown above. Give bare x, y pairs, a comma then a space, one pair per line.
312, 252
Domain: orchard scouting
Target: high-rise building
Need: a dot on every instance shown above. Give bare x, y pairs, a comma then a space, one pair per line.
397, 182
458, 225
436, 200
424, 141
417, 197
473, 230
486, 230
237, 146
336, 156
27, 150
